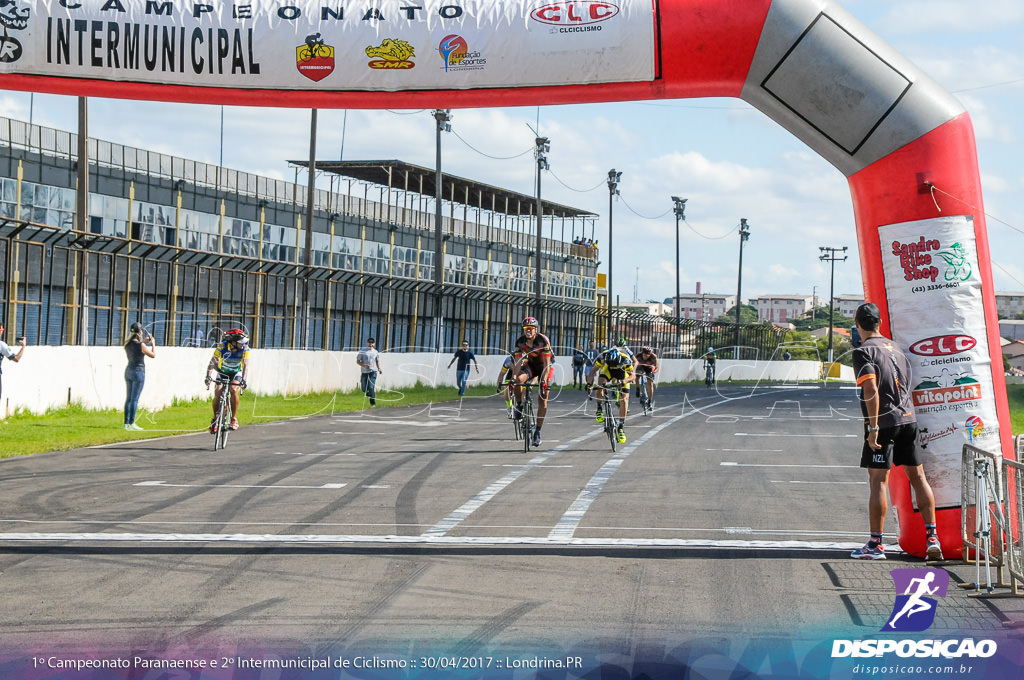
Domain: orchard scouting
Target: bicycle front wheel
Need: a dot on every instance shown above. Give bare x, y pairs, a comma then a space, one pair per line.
223, 424
527, 424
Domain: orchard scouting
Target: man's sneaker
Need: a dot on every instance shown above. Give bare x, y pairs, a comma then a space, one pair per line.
869, 552
127, 426
135, 427
234, 423
934, 549
213, 426
621, 435
600, 416
536, 438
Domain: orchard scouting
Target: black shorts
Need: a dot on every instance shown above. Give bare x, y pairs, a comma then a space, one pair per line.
899, 447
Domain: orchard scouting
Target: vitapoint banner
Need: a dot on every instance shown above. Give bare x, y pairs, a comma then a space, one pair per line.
385, 45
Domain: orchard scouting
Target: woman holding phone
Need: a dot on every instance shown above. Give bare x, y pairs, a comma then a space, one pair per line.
139, 346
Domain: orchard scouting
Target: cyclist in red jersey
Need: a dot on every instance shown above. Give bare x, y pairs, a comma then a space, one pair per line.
647, 365
534, 365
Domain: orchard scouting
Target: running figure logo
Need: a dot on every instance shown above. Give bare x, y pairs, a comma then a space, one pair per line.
914, 610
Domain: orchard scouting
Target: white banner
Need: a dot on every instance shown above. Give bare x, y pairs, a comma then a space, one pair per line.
933, 287
377, 45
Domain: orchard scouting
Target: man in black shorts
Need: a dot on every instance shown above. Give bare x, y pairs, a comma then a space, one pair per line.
890, 430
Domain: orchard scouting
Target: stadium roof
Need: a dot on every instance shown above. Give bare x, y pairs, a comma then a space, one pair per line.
417, 179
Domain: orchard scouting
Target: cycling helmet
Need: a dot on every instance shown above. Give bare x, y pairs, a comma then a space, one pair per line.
236, 335
646, 350
530, 321
621, 342
711, 349
612, 357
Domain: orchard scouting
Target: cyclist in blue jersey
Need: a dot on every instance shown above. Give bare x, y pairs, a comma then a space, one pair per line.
230, 361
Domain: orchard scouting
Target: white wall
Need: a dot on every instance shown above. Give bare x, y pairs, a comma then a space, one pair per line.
93, 377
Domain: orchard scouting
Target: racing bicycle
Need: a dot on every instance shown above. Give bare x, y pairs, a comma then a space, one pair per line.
524, 426
641, 392
220, 437
709, 373
610, 407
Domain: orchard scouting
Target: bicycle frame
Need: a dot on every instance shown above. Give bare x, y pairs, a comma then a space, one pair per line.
610, 406
220, 439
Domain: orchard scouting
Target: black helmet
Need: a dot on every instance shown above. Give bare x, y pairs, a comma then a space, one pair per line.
236, 335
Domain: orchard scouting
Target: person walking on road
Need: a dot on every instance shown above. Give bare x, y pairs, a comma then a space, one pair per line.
140, 345
579, 364
890, 431
7, 353
368, 359
463, 356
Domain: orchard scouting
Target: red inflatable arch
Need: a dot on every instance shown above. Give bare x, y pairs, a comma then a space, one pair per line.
905, 145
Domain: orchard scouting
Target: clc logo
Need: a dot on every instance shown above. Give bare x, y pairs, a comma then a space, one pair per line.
943, 345
575, 12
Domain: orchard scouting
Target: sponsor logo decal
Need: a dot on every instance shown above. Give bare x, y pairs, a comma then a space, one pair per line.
943, 345
391, 54
12, 19
920, 261
973, 427
575, 15
946, 392
315, 59
455, 53
927, 435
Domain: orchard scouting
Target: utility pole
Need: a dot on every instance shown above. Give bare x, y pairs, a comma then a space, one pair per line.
443, 118
613, 191
307, 321
542, 147
829, 255
744, 235
680, 210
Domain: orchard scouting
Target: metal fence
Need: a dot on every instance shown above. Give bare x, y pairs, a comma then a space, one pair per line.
992, 512
62, 287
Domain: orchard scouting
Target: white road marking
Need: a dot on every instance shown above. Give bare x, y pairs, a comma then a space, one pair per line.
794, 465
796, 481
389, 422
336, 539
749, 450
788, 434
570, 521
537, 466
240, 486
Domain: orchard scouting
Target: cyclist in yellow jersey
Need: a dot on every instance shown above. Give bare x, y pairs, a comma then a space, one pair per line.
612, 364
230, 360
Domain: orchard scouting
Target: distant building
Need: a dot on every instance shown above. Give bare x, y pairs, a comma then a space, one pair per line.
1011, 330
1009, 305
703, 306
847, 304
781, 309
1013, 350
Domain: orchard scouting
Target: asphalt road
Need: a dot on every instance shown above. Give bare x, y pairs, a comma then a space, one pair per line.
726, 519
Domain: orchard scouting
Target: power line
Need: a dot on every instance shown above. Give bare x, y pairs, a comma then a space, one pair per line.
579, 191
487, 155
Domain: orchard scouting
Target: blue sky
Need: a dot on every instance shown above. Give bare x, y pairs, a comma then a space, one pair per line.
725, 157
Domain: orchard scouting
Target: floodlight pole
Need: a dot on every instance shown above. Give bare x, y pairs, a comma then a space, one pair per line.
680, 211
744, 235
829, 255
613, 190
542, 146
443, 118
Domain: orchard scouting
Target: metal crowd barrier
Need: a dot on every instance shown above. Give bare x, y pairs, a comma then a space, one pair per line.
991, 516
